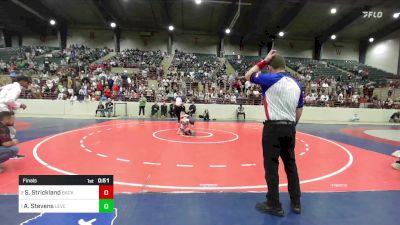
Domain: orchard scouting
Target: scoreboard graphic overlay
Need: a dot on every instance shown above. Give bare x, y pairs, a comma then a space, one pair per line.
66, 194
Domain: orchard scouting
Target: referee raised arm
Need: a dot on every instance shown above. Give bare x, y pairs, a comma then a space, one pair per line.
283, 102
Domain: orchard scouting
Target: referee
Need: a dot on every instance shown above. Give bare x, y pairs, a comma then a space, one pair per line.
283, 102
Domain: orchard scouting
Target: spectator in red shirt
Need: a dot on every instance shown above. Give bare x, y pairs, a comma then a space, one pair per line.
237, 84
100, 87
115, 90
93, 66
107, 93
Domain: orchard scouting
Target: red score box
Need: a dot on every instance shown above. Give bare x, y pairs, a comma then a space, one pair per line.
106, 192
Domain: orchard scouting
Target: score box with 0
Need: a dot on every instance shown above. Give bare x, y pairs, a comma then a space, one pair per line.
106, 198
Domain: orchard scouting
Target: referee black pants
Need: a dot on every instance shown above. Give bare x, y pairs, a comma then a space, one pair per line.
178, 110
279, 141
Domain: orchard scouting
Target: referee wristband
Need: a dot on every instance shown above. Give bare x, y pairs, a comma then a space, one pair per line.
262, 64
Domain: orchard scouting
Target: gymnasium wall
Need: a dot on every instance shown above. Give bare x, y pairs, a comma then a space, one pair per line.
220, 112
340, 50
91, 38
14, 41
195, 43
294, 48
153, 41
97, 38
384, 54
233, 49
40, 40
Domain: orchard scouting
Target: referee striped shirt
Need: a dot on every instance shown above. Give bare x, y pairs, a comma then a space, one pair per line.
282, 95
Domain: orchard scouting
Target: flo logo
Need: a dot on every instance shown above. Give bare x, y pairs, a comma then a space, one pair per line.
372, 14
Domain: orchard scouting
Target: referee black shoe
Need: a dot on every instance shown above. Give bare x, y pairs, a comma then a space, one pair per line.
265, 208
296, 207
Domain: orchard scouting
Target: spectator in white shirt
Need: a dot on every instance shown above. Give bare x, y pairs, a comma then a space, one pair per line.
10, 93
201, 96
309, 99
248, 92
227, 98
314, 87
207, 97
324, 98
60, 96
355, 98
389, 102
314, 96
240, 111
355, 118
233, 99
256, 93
214, 97
247, 85
340, 97
325, 87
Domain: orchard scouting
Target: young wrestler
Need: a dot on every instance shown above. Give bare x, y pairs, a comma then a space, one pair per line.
184, 128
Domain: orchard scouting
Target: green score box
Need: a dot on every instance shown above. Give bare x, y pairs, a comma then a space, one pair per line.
106, 205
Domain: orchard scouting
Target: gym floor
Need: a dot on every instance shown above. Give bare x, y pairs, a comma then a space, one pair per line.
214, 177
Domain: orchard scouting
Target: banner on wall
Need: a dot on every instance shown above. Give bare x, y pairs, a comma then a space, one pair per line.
338, 51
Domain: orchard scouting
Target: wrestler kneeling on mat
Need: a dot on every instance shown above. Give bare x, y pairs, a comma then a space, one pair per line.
185, 124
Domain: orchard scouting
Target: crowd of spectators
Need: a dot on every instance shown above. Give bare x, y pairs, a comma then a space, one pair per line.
242, 63
355, 89
202, 78
38, 60
200, 66
135, 58
207, 83
11, 59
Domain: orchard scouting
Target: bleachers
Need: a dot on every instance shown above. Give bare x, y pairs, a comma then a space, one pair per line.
196, 62
7, 53
318, 68
352, 65
324, 70
347, 65
242, 63
19, 54
41, 60
134, 58
296, 63
203, 59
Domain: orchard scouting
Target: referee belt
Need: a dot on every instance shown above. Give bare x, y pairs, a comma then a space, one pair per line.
279, 122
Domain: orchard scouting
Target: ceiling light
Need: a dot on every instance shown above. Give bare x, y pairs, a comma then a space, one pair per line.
333, 37
396, 15
171, 28
113, 25
198, 2
281, 34
228, 31
371, 39
333, 11
52, 22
